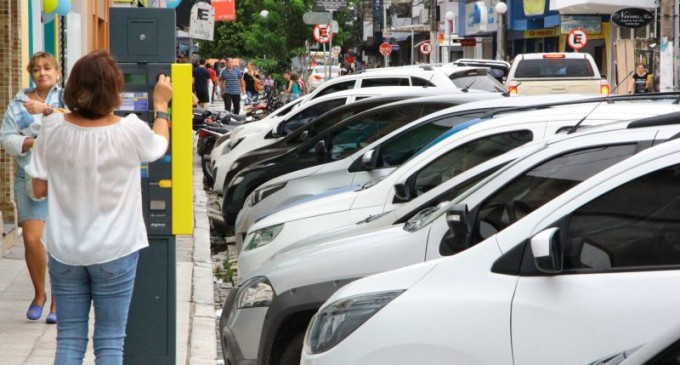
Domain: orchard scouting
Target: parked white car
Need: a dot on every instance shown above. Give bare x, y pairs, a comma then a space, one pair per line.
244, 141
318, 75
269, 311
293, 187
465, 147
593, 271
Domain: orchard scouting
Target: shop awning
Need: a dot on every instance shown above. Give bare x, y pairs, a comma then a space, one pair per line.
598, 6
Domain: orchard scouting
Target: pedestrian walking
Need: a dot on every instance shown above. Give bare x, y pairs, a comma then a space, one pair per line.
95, 226
250, 77
213, 80
21, 125
232, 86
201, 78
642, 80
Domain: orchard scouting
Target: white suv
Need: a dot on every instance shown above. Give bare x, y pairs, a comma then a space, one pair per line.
592, 272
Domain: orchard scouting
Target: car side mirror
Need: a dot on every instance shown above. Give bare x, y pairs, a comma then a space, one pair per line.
369, 160
402, 192
457, 217
320, 149
547, 251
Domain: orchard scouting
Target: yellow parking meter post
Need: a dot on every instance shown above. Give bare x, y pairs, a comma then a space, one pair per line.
182, 150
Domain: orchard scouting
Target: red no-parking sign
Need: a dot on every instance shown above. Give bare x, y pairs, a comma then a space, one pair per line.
577, 38
385, 49
425, 48
322, 33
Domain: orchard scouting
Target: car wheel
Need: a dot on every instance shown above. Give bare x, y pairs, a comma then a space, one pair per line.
293, 352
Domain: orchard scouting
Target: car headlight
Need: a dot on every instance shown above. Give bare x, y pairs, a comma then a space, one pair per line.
237, 180
256, 292
339, 319
261, 193
262, 237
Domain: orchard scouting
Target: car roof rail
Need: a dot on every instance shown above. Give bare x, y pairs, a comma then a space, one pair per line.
656, 121
608, 99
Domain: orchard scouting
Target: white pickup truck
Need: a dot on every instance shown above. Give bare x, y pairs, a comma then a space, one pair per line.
555, 73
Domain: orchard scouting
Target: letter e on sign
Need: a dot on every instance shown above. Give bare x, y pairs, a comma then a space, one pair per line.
577, 39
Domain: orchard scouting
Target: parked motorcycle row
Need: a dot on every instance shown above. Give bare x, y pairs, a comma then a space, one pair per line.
422, 215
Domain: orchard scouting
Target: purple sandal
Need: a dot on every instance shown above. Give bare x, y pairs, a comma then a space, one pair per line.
34, 312
51, 318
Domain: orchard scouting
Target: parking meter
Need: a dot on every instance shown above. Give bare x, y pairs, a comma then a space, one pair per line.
143, 43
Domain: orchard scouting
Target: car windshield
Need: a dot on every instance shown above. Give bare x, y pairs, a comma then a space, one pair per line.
554, 67
478, 82
418, 222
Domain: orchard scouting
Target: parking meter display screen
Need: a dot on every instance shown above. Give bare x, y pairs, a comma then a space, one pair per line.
136, 79
134, 101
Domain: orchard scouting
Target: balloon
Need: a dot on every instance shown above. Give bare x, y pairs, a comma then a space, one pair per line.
47, 17
171, 4
63, 7
49, 5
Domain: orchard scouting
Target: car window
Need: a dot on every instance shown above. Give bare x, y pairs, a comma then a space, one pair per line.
333, 88
385, 81
364, 131
308, 114
635, 225
554, 67
467, 156
417, 81
402, 147
541, 184
477, 82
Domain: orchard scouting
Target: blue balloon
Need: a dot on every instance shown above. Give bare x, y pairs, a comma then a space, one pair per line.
171, 4
63, 7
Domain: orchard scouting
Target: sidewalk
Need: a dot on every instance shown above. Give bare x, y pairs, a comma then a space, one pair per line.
24, 342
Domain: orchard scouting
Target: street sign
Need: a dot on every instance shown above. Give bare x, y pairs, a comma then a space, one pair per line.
577, 39
385, 49
202, 21
425, 48
314, 18
331, 5
632, 17
468, 42
321, 33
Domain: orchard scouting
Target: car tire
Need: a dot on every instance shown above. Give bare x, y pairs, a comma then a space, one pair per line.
293, 352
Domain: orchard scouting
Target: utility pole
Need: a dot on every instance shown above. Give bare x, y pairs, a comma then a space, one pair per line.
668, 64
434, 30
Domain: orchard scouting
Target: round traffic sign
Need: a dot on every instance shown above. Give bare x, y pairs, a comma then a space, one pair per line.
577, 38
322, 33
385, 49
425, 48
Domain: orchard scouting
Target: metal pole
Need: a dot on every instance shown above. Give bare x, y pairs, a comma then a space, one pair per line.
447, 39
330, 46
500, 38
387, 58
413, 51
676, 43
433, 31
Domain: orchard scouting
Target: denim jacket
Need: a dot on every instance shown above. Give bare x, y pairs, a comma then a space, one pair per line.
18, 124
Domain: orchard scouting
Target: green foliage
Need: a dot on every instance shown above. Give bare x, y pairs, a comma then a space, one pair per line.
226, 272
272, 41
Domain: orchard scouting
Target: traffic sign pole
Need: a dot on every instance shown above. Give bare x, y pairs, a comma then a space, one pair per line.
330, 47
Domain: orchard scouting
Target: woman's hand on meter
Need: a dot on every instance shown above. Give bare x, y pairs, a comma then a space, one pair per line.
162, 93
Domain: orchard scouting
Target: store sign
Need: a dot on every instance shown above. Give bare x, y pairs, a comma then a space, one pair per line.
331, 5
632, 17
540, 33
534, 7
480, 17
590, 24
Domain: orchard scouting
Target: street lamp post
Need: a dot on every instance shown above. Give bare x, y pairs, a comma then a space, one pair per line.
264, 14
501, 8
447, 35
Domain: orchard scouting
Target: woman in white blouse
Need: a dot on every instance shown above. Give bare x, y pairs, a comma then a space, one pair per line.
88, 163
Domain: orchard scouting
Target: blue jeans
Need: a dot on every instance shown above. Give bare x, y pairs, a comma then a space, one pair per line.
109, 287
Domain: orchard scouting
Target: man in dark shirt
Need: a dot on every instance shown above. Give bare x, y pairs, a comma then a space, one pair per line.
201, 77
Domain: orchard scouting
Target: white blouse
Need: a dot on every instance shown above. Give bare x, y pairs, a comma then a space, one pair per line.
94, 187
